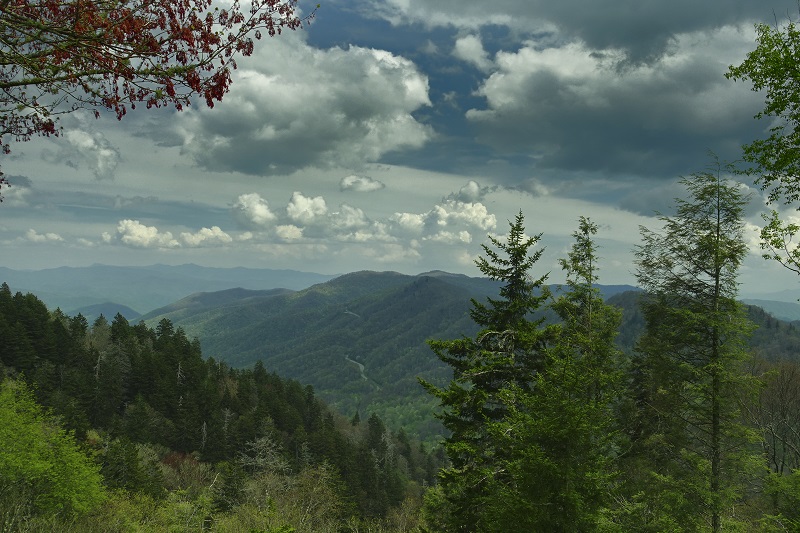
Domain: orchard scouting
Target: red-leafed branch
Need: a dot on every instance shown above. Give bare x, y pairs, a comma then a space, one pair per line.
57, 56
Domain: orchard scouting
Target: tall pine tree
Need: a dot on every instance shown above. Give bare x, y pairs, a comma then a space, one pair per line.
561, 433
507, 353
690, 436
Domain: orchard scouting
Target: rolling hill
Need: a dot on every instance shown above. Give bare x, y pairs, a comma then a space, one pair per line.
359, 339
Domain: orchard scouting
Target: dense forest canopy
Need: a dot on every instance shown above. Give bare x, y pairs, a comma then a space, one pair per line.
171, 432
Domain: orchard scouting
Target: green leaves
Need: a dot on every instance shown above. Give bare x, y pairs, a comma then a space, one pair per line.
777, 241
773, 67
775, 161
40, 460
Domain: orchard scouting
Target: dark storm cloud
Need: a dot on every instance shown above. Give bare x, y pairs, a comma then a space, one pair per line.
572, 111
644, 29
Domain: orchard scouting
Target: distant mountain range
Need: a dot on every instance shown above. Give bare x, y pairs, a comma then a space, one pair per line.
134, 290
359, 339
788, 311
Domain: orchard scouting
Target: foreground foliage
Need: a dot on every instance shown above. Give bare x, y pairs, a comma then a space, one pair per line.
187, 437
775, 160
504, 356
42, 469
530, 407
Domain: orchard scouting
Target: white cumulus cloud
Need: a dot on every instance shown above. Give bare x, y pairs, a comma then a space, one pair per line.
289, 232
412, 222
33, 236
135, 234
206, 237
450, 237
360, 184
293, 106
348, 218
305, 209
253, 212
470, 49
474, 214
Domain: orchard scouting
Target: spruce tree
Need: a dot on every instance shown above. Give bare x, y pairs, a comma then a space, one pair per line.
561, 434
507, 353
690, 359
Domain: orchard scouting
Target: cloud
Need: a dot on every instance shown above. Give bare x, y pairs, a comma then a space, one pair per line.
306, 210
534, 187
655, 199
121, 202
409, 222
292, 106
136, 235
453, 212
309, 219
16, 192
470, 49
90, 149
472, 192
32, 236
360, 184
752, 236
643, 33
451, 222
450, 237
289, 232
206, 237
570, 108
252, 211
348, 218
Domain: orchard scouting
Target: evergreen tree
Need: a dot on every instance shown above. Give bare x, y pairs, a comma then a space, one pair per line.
507, 354
561, 432
691, 435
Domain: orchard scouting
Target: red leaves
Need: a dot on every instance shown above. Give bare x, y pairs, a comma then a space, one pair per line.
116, 53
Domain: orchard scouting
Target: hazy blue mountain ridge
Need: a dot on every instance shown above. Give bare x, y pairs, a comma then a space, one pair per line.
144, 288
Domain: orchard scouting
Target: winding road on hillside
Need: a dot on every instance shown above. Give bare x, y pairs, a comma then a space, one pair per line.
361, 371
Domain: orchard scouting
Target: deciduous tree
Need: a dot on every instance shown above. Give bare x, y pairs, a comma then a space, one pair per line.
57, 56
41, 467
775, 161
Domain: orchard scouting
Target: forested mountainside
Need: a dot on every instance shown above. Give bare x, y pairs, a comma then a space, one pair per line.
179, 438
772, 340
361, 339
168, 437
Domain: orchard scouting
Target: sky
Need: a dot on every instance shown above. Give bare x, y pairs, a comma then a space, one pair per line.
399, 134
